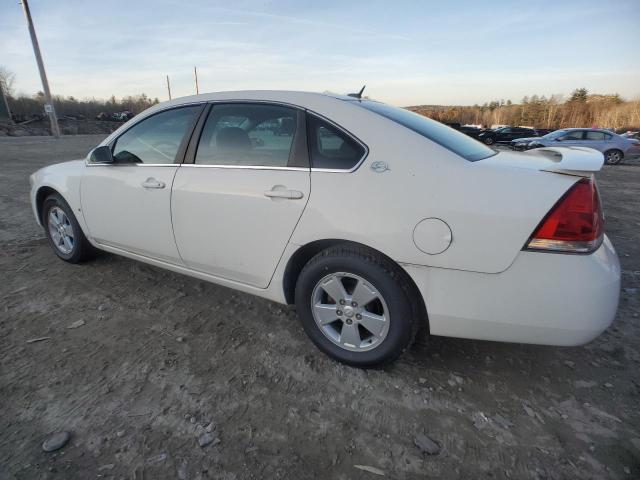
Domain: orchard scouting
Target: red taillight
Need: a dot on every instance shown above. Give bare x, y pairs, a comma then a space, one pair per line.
575, 224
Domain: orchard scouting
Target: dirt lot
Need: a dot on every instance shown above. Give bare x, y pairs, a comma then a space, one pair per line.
162, 358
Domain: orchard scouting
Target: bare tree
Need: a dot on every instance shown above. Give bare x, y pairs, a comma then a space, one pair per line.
7, 78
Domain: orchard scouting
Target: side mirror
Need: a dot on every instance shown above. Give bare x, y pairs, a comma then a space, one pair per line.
559, 139
101, 155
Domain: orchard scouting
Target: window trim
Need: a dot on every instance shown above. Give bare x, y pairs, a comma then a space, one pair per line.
297, 147
180, 154
347, 133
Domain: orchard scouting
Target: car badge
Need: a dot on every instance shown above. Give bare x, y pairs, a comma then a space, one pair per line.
380, 167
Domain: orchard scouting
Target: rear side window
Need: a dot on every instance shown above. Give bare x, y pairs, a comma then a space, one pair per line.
594, 136
248, 135
330, 147
451, 139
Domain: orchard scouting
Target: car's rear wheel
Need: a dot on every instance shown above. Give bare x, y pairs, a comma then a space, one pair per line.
357, 306
63, 231
613, 157
489, 140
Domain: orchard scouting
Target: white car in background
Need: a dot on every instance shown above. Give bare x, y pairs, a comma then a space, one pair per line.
375, 221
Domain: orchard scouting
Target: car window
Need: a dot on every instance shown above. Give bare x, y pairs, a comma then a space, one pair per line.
453, 140
504, 130
157, 139
573, 135
608, 136
247, 135
594, 135
330, 147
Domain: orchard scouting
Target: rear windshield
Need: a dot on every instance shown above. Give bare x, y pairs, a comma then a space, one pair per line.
447, 137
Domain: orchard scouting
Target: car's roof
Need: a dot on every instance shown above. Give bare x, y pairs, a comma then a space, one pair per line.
286, 96
586, 128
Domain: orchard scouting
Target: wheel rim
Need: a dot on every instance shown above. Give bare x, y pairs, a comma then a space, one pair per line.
613, 157
350, 312
61, 230
488, 141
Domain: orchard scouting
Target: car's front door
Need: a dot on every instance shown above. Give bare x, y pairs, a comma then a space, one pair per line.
126, 204
504, 135
573, 138
241, 191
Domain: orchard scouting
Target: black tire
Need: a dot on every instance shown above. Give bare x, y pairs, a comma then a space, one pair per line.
613, 157
489, 140
404, 312
81, 250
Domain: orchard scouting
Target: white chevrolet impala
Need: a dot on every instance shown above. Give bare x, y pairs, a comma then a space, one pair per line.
373, 220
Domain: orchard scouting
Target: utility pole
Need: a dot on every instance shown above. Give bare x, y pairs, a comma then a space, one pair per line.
168, 87
48, 107
195, 72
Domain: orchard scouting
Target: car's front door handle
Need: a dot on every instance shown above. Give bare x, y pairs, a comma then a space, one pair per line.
283, 193
153, 183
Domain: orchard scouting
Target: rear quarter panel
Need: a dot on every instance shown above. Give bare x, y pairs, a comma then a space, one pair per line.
491, 210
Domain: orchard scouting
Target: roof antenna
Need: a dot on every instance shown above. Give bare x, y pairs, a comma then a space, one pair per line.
359, 94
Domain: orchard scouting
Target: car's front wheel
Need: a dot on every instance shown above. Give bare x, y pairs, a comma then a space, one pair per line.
357, 306
63, 231
489, 140
613, 157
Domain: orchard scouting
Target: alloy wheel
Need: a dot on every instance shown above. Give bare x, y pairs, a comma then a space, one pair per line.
614, 157
61, 230
350, 311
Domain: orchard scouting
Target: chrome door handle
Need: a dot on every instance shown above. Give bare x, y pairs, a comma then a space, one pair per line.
153, 183
289, 194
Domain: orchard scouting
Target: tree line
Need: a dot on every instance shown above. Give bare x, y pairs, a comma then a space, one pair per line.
581, 109
25, 106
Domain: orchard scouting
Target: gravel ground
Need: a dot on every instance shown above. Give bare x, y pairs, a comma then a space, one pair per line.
157, 364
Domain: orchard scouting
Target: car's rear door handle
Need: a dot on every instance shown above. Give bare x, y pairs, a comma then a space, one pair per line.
153, 183
284, 193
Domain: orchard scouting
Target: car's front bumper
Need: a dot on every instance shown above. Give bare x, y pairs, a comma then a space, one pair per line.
542, 298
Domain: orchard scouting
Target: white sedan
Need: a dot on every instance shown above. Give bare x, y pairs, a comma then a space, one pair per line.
375, 221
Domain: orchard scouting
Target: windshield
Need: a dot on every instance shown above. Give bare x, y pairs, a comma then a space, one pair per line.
554, 135
447, 137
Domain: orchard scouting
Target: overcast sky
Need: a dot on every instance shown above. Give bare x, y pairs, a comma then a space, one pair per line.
408, 53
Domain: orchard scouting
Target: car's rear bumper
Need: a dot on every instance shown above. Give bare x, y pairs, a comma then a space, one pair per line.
542, 298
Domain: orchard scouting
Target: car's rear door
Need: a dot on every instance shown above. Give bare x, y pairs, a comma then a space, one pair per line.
594, 139
241, 191
126, 204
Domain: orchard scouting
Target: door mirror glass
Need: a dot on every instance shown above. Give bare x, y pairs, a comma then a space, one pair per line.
101, 154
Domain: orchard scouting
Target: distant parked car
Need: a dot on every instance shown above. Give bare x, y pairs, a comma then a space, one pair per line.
505, 134
473, 132
544, 131
466, 129
613, 146
631, 135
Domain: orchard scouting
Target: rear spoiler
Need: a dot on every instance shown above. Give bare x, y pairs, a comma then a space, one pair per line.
579, 161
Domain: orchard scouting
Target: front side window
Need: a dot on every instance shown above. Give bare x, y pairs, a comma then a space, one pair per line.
330, 147
594, 136
573, 135
453, 140
157, 139
247, 135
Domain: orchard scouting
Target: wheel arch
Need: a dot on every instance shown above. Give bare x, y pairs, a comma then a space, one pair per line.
302, 255
41, 195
